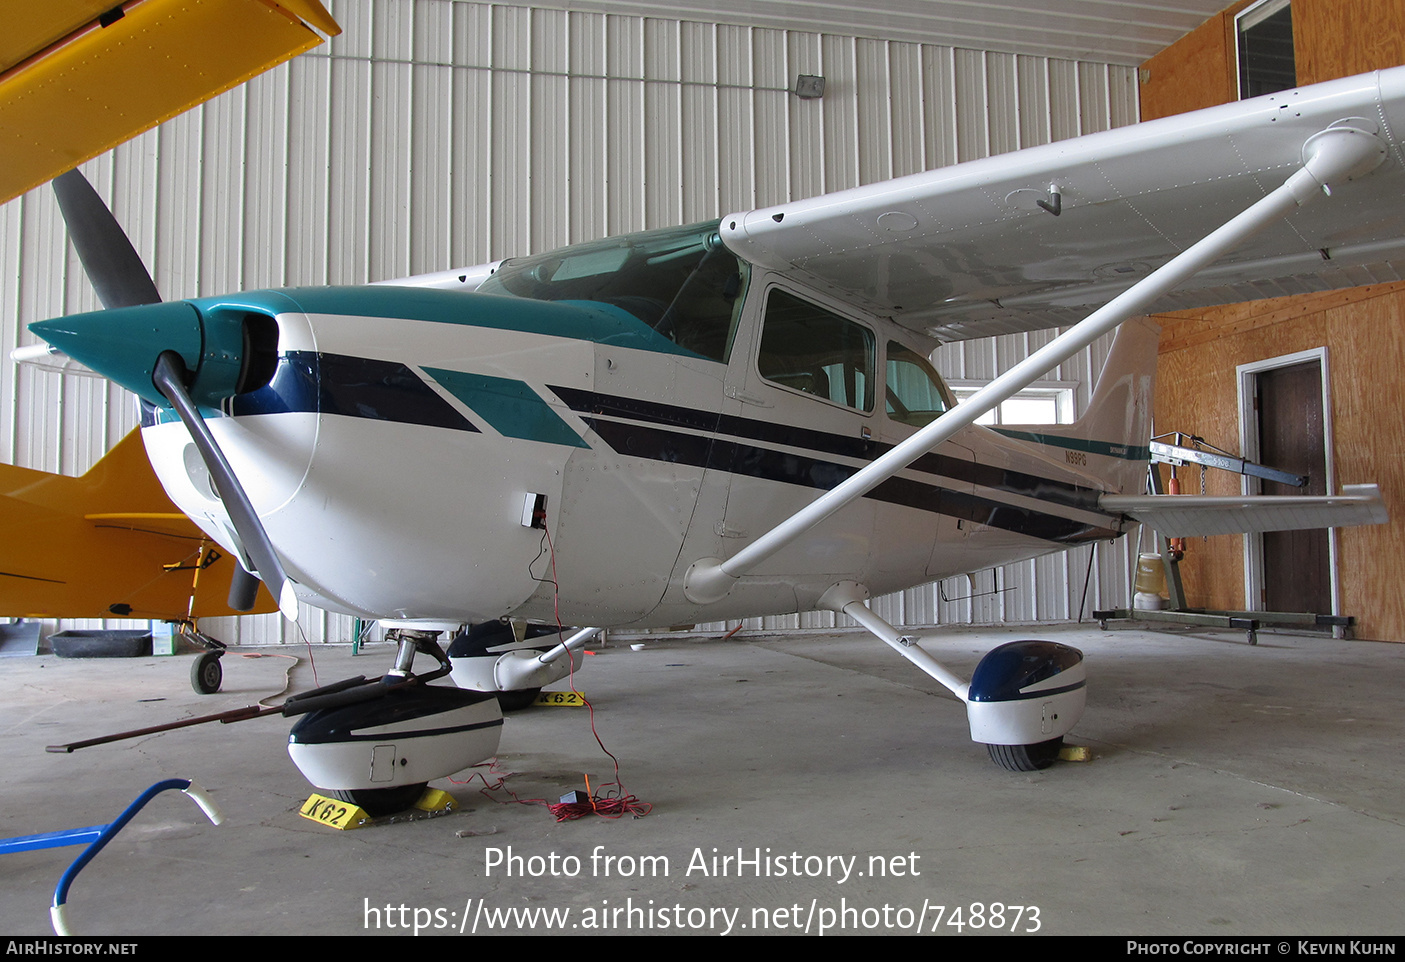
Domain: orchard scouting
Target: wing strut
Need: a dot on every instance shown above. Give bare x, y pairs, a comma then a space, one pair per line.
1336, 154
850, 598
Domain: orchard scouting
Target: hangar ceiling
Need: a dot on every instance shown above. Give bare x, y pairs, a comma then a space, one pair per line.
1124, 32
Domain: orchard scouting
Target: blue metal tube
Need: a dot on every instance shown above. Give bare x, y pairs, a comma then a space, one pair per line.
61, 890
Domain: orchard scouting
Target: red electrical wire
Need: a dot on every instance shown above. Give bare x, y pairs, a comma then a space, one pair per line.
609, 806
612, 805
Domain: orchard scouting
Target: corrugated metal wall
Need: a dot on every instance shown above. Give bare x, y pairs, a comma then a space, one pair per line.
437, 133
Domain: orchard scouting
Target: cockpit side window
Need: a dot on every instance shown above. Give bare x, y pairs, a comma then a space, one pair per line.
681, 282
807, 348
914, 392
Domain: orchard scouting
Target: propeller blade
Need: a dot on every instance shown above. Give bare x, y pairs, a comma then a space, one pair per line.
121, 280
111, 262
243, 589
169, 378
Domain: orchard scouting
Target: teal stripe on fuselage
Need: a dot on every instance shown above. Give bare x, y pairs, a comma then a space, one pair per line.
511, 407
1127, 452
578, 320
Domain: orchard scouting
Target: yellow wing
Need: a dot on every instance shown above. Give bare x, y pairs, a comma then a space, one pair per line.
108, 544
78, 77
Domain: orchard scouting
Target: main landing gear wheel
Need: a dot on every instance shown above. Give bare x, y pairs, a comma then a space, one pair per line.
206, 674
381, 801
1026, 758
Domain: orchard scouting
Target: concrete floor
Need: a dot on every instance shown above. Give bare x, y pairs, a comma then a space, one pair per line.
1233, 791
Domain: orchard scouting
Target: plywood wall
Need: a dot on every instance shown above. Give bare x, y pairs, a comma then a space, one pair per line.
1361, 329
1364, 332
1194, 72
1341, 38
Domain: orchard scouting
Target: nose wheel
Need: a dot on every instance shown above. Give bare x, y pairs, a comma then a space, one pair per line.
377, 743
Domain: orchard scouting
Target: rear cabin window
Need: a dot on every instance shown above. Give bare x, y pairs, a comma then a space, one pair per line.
914, 392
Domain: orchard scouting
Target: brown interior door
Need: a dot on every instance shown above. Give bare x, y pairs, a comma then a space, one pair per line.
1296, 564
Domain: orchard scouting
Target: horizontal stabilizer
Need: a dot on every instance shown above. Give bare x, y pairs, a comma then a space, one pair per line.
1190, 515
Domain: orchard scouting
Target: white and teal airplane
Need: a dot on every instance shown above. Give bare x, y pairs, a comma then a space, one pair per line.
739, 418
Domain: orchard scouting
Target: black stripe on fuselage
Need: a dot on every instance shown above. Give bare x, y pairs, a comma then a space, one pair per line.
770, 432
752, 461
735, 457
359, 387
307, 381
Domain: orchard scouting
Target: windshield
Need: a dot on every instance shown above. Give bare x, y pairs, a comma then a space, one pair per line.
682, 282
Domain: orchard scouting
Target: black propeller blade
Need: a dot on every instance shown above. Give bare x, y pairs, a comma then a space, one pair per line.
121, 280
108, 257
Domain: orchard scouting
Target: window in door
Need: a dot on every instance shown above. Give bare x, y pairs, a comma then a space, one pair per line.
809, 349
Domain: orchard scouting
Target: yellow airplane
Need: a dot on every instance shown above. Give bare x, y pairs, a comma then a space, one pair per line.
108, 544
78, 77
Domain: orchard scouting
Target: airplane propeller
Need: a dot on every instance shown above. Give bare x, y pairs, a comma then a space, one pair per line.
111, 262
122, 281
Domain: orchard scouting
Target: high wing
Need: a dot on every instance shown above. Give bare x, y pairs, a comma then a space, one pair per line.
967, 251
1277, 186
78, 77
